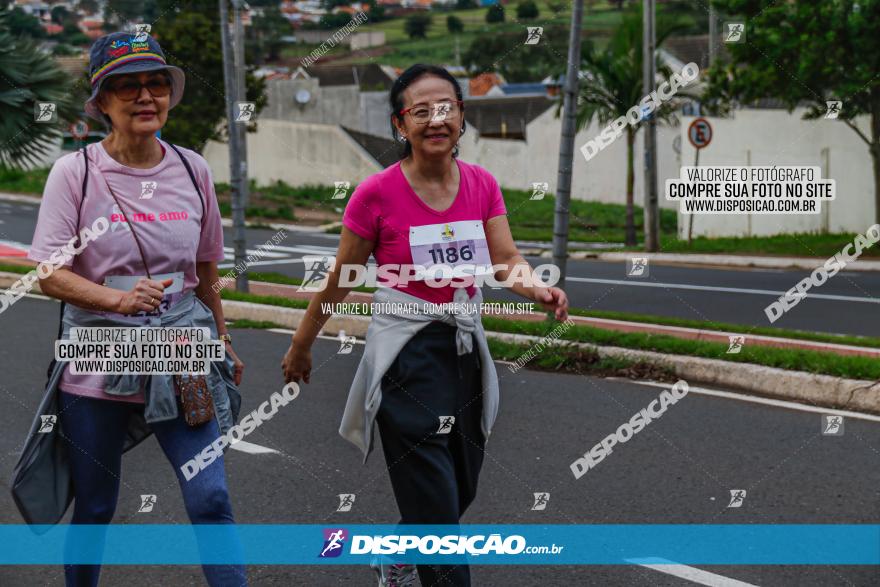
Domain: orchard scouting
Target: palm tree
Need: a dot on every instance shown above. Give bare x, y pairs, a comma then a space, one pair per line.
612, 85
29, 76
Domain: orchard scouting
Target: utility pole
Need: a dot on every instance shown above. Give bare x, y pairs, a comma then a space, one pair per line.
241, 88
652, 216
566, 143
236, 180
713, 35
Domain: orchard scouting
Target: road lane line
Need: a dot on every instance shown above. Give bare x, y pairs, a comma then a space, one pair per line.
251, 448
764, 292
690, 573
762, 400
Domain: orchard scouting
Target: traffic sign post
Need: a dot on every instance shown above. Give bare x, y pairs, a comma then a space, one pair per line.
699, 135
79, 130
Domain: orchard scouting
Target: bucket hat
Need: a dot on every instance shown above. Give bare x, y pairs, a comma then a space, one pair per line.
119, 53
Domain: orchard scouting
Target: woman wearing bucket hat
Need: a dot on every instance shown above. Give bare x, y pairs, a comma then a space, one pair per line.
153, 264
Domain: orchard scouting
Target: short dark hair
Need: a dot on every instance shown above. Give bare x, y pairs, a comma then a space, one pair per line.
406, 78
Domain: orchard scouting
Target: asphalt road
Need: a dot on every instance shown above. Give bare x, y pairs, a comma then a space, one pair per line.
846, 304
678, 470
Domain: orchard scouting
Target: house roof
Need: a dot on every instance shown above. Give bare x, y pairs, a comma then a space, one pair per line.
367, 76
382, 149
506, 117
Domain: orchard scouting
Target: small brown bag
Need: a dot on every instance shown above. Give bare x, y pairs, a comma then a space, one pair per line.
195, 398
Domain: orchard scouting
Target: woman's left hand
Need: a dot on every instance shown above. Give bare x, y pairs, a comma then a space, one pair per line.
238, 365
553, 299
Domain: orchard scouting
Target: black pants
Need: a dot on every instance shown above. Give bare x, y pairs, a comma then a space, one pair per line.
433, 472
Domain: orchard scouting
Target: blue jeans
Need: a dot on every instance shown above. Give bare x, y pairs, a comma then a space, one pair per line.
95, 430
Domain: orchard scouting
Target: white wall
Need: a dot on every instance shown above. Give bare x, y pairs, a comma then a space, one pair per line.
775, 137
518, 164
296, 153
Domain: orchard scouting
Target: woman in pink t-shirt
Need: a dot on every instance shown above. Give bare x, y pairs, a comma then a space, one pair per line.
157, 257
428, 210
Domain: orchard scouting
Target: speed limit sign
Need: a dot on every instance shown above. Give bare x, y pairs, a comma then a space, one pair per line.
79, 129
700, 133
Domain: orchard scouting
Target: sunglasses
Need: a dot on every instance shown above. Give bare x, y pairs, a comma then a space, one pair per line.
130, 89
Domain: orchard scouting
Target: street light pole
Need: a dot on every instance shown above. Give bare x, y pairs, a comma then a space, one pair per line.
652, 216
566, 143
236, 179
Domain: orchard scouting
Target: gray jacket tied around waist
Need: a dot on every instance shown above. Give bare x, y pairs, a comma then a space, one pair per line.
387, 335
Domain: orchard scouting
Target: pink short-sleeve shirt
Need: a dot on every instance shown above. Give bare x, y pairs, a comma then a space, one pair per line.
161, 203
385, 209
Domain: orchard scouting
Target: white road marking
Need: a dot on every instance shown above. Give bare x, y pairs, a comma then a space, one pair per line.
257, 263
779, 403
763, 292
252, 449
267, 253
689, 573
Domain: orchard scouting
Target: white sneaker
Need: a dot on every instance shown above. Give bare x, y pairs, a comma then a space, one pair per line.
394, 575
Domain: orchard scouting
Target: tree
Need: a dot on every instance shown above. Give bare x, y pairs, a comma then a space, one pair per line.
26, 78
614, 85
465, 4
88, 6
416, 26
334, 20
493, 52
495, 13
806, 53
375, 11
454, 24
266, 33
527, 10
23, 24
190, 37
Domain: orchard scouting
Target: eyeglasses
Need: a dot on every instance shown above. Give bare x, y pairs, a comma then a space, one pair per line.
129, 90
433, 112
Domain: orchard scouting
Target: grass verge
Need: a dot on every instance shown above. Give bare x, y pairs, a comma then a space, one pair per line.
854, 367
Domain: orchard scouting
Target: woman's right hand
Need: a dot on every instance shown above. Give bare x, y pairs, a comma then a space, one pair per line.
146, 296
297, 364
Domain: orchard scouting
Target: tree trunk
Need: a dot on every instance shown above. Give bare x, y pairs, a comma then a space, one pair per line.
875, 149
630, 181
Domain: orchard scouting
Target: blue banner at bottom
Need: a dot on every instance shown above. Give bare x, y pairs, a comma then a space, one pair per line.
523, 544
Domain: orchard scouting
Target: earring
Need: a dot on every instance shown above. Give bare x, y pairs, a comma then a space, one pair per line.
402, 139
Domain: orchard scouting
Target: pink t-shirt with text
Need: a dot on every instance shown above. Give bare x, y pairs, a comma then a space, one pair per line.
160, 202
385, 209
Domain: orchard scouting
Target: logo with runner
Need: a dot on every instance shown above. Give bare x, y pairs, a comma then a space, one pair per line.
246, 111
47, 423
148, 188
446, 423
346, 500
541, 500
147, 503
539, 190
45, 112
534, 34
832, 425
736, 32
833, 108
341, 190
637, 267
346, 344
317, 268
448, 234
334, 541
736, 343
737, 496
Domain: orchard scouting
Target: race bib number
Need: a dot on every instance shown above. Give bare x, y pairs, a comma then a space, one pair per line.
451, 249
172, 292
